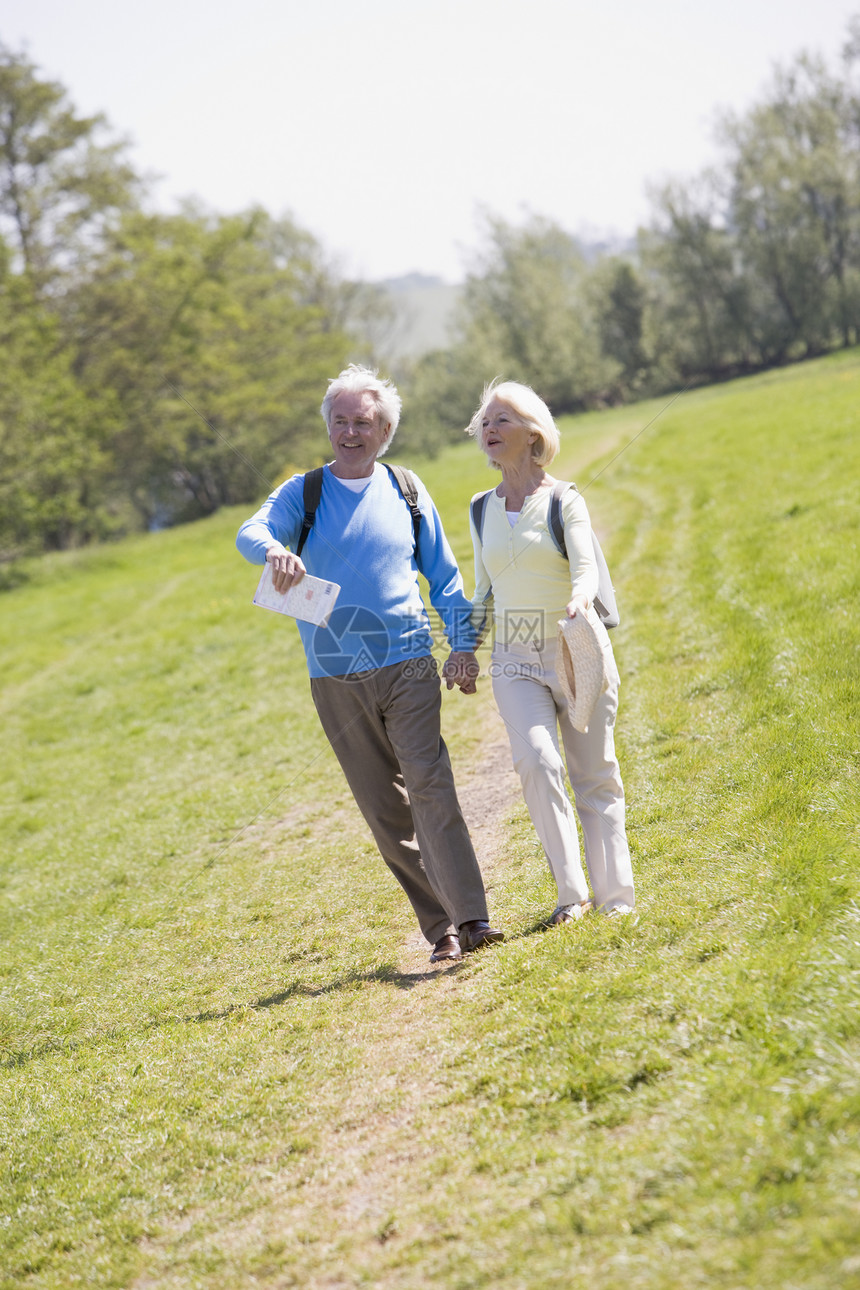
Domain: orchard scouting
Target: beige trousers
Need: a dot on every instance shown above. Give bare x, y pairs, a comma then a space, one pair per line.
531, 701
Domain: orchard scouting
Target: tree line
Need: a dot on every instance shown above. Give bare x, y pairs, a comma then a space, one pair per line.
156, 367
750, 265
152, 367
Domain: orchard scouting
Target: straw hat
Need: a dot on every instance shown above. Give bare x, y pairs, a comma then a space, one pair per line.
581, 665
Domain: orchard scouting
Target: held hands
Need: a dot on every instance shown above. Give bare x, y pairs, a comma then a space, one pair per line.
287, 569
461, 668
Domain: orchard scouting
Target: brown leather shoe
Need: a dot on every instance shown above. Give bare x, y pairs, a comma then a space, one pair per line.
446, 948
476, 933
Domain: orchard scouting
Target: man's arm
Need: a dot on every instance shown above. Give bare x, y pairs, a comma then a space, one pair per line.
264, 538
435, 559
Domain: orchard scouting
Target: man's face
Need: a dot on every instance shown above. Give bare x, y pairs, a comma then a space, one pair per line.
356, 433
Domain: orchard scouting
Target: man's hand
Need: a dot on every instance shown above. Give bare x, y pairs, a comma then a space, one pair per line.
287, 569
461, 668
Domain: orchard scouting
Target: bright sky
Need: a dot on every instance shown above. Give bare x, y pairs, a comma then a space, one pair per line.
384, 126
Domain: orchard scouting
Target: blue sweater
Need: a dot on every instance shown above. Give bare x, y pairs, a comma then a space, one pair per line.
364, 541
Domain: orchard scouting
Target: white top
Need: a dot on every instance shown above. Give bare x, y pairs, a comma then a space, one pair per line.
354, 485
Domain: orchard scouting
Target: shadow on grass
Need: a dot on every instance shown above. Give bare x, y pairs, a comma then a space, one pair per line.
385, 974
297, 989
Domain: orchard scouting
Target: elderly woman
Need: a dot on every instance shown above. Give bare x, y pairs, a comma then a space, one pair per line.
528, 586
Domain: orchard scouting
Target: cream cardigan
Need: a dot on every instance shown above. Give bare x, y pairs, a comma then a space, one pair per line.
521, 578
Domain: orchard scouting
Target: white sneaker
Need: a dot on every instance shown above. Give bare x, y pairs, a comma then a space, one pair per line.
569, 913
623, 911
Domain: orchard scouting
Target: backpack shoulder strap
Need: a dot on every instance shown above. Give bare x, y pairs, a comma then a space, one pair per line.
605, 604
478, 508
311, 494
405, 481
555, 519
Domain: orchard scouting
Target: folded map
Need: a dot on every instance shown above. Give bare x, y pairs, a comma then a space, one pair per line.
312, 599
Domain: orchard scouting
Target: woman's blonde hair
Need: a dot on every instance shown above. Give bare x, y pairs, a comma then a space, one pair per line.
529, 408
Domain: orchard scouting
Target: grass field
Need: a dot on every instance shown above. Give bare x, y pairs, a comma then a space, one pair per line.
216, 1070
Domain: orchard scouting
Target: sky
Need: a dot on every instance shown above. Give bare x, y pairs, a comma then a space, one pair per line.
390, 128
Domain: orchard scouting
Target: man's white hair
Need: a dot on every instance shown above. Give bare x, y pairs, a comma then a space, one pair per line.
358, 380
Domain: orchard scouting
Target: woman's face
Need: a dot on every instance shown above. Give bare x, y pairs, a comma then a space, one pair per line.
504, 438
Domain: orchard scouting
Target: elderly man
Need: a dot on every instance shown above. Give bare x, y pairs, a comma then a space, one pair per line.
374, 681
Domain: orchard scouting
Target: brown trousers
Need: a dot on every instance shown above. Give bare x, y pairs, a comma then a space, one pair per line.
384, 727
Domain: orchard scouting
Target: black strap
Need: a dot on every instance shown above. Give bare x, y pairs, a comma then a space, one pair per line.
312, 492
406, 483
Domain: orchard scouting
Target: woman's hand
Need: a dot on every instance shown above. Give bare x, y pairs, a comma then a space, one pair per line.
287, 569
577, 602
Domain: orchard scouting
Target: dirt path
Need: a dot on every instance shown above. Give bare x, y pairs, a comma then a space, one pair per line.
369, 1153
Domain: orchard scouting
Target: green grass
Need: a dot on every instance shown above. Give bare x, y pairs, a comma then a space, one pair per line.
216, 1071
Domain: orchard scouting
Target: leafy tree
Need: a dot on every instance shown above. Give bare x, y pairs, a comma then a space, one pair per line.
442, 390
200, 326
526, 314
154, 368
362, 310
619, 300
58, 183
795, 205
53, 451
700, 297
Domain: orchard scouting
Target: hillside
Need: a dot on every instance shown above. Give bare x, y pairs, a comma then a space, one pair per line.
425, 308
226, 1059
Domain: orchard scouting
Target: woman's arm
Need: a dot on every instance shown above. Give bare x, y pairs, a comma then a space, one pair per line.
580, 552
